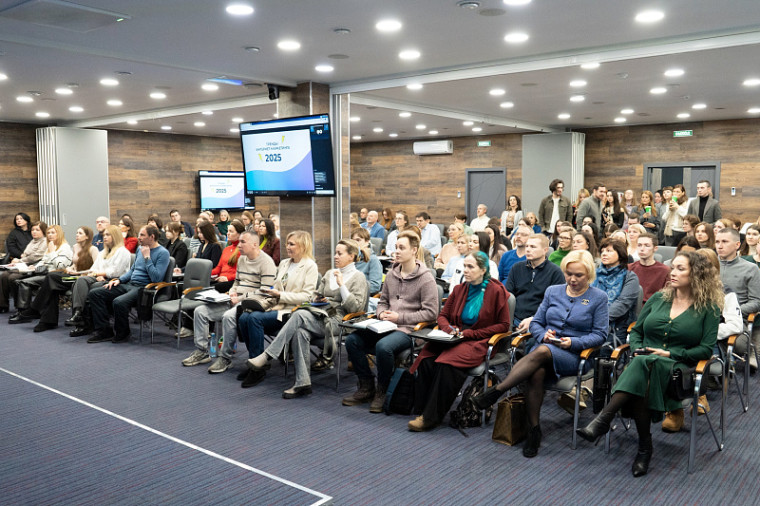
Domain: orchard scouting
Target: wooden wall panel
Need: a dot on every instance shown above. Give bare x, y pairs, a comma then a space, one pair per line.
389, 174
616, 156
18, 175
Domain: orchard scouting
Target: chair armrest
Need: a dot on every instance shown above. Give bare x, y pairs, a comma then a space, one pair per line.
193, 289
160, 285
619, 350
586, 354
519, 339
351, 316
731, 341
496, 338
704, 365
751, 317
630, 327
423, 325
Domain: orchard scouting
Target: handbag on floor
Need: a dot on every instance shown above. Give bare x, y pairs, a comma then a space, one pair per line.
510, 426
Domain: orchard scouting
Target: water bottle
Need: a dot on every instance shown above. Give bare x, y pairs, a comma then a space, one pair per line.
212, 345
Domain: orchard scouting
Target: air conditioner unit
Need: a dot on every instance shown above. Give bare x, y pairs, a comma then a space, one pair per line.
433, 148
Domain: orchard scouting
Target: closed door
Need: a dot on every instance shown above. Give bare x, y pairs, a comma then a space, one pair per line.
661, 175
485, 186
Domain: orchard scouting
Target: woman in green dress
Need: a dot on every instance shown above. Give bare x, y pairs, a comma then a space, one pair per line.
677, 327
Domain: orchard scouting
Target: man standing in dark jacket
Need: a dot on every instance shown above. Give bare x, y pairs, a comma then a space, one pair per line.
554, 208
529, 280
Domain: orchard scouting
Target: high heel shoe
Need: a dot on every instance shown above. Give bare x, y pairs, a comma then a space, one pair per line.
487, 398
597, 428
640, 465
533, 442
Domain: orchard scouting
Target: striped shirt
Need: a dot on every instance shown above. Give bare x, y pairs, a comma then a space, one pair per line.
253, 274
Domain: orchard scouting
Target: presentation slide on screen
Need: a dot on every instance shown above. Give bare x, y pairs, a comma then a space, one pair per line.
222, 192
280, 160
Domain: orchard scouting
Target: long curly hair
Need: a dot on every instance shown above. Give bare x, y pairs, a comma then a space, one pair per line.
704, 282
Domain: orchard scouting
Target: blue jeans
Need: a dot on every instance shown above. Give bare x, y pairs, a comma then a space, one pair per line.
385, 348
253, 326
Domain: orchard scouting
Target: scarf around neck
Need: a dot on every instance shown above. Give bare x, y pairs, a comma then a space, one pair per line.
610, 280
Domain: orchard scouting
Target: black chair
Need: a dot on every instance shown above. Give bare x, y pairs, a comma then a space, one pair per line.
157, 294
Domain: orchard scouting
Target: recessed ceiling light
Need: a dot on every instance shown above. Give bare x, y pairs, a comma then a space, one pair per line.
109, 81
76, 108
626, 111
467, 123
324, 68
684, 115
420, 127
234, 130
377, 130
751, 82
404, 114
409, 54
157, 95
497, 92
577, 98
388, 25
64, 91
468, 4
3, 77
507, 105
132, 122
42, 114
252, 49
651, 16
620, 119
699, 106
578, 83
114, 103
239, 9
433, 132
590, 65
394, 134
207, 113
516, 37
166, 127
517, 2
209, 87
289, 45
754, 110
658, 90
199, 124
24, 99
237, 120
357, 137
477, 129
563, 115
354, 119
414, 86
674, 72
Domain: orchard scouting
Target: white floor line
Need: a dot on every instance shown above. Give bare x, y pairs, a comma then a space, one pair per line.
323, 499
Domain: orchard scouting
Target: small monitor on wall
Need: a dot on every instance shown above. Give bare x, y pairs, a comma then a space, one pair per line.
288, 157
222, 190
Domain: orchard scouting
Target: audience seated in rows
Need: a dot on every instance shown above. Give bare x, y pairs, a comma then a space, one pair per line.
367, 262
620, 285
33, 253
344, 290
449, 250
515, 255
409, 296
430, 234
120, 294
254, 270
402, 223
652, 275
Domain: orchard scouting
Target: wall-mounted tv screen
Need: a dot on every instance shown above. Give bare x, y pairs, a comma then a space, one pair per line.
222, 190
288, 157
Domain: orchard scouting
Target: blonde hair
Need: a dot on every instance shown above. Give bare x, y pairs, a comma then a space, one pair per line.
116, 237
582, 257
704, 281
59, 237
303, 239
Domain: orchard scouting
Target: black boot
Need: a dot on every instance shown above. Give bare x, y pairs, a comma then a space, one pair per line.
487, 398
597, 428
76, 319
643, 456
530, 449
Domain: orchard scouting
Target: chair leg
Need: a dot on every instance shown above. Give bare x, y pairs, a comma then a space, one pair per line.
576, 412
693, 431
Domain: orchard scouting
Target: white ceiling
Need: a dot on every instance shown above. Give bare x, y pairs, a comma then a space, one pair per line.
173, 46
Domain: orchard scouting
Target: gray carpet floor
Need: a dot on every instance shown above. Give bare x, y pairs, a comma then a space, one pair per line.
58, 451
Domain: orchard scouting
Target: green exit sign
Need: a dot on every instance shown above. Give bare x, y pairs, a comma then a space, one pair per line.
683, 133
484, 144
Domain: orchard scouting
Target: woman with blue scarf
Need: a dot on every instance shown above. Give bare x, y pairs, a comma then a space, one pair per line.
476, 309
620, 285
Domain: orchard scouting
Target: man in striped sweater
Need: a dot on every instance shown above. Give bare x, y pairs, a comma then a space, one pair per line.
254, 270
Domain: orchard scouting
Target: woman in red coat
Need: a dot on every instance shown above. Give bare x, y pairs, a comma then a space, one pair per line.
477, 310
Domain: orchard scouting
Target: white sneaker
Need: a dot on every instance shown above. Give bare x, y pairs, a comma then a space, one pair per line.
197, 358
185, 332
221, 364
